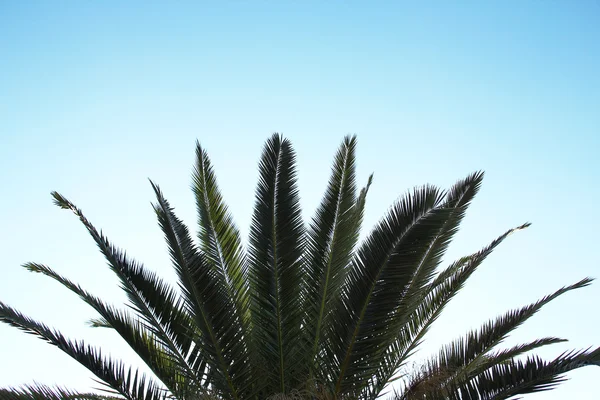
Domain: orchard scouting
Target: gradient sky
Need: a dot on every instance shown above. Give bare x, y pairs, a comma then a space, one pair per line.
95, 97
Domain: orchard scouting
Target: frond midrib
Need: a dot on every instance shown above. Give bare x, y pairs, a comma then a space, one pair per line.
276, 271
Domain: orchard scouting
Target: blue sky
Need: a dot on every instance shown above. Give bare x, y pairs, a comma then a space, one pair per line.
95, 97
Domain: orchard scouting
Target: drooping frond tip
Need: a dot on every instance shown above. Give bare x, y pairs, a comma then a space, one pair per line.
98, 323
520, 227
43, 392
32, 267
61, 201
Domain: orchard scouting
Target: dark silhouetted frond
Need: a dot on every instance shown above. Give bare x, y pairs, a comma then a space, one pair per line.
276, 248
437, 295
222, 343
153, 300
117, 378
332, 237
43, 392
219, 237
151, 350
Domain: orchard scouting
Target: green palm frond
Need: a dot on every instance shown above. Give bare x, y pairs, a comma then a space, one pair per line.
466, 353
534, 375
518, 377
276, 248
221, 343
170, 318
152, 299
219, 237
361, 202
118, 379
331, 240
43, 392
146, 344
500, 356
439, 292
507, 355
380, 273
301, 313
457, 201
466, 358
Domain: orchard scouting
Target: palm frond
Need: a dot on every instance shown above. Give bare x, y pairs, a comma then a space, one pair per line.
439, 292
466, 358
506, 380
153, 299
457, 202
146, 344
43, 392
222, 344
466, 354
332, 236
381, 271
117, 378
169, 316
359, 208
276, 247
219, 237
507, 355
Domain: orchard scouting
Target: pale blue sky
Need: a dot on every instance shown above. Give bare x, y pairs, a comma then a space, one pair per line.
95, 97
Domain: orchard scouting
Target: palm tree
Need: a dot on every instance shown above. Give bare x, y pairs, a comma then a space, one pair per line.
302, 311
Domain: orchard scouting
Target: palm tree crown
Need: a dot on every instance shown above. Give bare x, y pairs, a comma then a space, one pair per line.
304, 311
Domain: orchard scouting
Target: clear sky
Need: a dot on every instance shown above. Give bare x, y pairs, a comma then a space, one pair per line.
95, 97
